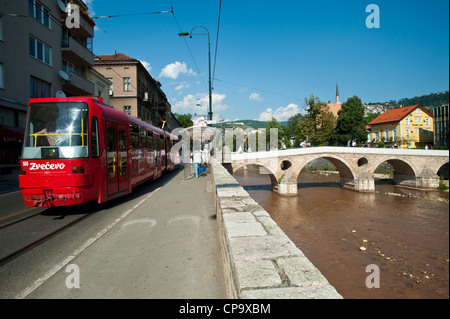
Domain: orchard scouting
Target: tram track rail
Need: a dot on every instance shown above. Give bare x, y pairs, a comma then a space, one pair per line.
23, 234
18, 220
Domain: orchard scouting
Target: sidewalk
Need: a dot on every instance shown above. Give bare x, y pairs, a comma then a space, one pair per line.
167, 247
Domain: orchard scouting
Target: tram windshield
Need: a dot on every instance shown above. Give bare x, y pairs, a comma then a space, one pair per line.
56, 130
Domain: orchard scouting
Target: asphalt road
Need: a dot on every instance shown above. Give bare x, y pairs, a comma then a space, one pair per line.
158, 242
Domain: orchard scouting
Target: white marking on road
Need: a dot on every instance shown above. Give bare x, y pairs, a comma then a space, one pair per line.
192, 218
78, 251
149, 221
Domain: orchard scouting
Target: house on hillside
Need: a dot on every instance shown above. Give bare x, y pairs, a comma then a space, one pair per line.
406, 127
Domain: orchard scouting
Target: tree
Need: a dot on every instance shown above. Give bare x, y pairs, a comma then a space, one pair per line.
326, 126
318, 125
184, 119
292, 132
350, 122
273, 123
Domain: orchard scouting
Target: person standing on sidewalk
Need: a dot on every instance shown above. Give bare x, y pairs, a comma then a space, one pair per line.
197, 158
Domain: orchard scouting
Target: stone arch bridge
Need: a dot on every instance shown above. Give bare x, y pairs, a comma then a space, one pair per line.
356, 166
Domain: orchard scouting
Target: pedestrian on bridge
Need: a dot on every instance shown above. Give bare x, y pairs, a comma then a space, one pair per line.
198, 160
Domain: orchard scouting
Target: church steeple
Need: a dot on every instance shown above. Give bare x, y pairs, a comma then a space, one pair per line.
337, 94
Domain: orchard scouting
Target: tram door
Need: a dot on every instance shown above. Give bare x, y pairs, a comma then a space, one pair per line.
117, 161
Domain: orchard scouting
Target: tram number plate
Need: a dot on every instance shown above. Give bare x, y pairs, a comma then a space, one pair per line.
50, 152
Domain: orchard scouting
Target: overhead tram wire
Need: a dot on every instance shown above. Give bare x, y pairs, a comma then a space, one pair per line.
135, 14
189, 49
260, 90
217, 42
156, 12
50, 15
130, 14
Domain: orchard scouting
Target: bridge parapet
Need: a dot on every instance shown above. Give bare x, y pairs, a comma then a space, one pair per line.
260, 261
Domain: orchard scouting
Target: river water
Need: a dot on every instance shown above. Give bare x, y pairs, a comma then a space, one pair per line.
402, 231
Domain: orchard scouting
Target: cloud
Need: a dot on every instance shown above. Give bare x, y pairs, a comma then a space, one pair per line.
280, 114
173, 70
199, 104
255, 97
90, 5
146, 65
181, 86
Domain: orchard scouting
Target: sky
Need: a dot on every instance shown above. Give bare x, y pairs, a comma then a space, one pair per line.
268, 56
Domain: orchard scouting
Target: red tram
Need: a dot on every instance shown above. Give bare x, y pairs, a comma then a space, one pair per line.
78, 149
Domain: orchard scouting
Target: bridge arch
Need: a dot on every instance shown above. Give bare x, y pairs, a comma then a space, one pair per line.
346, 172
444, 171
404, 172
263, 170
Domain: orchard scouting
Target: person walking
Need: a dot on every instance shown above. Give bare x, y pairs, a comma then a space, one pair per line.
197, 158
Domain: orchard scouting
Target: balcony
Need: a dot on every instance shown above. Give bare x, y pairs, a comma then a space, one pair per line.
78, 85
85, 29
75, 52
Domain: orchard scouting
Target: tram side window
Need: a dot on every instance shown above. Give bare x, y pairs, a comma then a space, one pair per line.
142, 138
94, 138
156, 141
149, 140
134, 136
161, 141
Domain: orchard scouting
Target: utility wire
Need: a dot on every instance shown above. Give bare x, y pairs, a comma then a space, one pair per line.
158, 12
261, 90
130, 14
189, 49
217, 42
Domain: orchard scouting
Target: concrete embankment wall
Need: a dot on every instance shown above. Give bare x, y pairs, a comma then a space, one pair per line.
260, 261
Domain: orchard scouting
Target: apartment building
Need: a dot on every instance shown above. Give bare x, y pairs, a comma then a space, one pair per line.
43, 53
441, 122
406, 127
134, 91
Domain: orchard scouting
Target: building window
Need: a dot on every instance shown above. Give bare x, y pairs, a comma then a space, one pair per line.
110, 86
40, 51
39, 12
1, 75
394, 134
126, 84
69, 67
7, 117
90, 44
39, 88
376, 136
127, 109
1, 30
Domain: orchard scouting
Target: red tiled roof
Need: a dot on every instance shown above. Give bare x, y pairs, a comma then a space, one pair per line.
115, 57
394, 115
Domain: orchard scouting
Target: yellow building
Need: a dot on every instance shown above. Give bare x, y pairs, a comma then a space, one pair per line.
406, 127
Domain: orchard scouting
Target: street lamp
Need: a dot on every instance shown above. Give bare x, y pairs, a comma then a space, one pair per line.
190, 34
